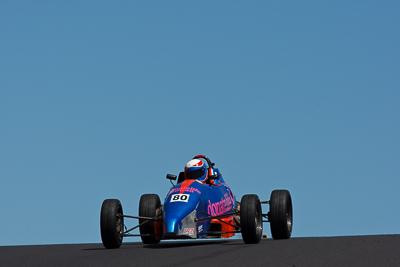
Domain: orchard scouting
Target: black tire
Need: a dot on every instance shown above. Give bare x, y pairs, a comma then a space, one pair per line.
251, 219
281, 214
150, 206
111, 223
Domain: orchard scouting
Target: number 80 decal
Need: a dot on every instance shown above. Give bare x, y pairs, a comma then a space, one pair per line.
180, 198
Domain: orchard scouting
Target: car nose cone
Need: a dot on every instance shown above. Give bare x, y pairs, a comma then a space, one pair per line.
172, 223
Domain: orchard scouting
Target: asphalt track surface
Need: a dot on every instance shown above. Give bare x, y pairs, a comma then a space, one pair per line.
381, 250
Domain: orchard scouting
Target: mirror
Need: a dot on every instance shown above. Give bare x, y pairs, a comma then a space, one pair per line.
171, 177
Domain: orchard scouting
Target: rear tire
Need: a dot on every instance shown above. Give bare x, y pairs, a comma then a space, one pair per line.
150, 206
281, 214
111, 223
251, 219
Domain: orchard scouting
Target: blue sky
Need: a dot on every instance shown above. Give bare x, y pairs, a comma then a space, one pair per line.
100, 99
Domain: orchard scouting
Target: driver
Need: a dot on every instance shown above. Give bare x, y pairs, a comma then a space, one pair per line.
196, 169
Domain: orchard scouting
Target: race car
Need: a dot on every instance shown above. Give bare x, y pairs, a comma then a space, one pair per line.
200, 205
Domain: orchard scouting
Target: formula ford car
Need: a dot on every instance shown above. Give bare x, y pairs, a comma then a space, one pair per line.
198, 208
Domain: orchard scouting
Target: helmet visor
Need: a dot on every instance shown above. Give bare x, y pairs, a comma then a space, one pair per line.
195, 174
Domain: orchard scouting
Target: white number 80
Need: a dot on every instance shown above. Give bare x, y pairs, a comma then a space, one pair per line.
180, 198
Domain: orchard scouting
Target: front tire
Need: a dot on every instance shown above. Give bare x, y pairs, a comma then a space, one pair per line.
150, 206
281, 214
111, 223
251, 219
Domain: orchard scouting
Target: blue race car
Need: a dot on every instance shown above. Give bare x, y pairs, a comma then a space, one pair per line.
200, 205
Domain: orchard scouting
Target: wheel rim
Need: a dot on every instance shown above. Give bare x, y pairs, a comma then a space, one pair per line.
120, 224
258, 221
289, 216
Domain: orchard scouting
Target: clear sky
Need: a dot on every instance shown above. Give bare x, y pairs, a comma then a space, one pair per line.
101, 99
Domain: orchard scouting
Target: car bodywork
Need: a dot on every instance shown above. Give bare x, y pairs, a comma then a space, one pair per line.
193, 209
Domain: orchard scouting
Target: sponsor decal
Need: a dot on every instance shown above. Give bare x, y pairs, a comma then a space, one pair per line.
188, 231
200, 229
185, 189
220, 207
180, 198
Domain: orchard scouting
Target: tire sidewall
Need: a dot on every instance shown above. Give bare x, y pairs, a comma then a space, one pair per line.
251, 219
111, 223
281, 214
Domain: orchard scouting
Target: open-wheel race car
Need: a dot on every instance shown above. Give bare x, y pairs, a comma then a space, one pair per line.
200, 205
